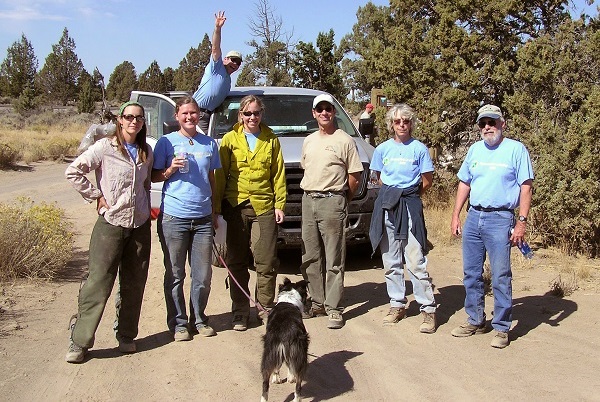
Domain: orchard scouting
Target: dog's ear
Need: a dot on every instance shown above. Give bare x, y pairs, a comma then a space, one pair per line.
286, 281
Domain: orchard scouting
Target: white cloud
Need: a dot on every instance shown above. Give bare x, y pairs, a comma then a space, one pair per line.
29, 14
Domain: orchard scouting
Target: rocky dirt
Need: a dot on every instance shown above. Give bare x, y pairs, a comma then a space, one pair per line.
554, 352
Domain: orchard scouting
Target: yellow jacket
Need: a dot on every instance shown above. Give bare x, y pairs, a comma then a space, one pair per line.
257, 176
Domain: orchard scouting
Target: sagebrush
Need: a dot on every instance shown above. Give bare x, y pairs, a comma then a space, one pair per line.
36, 240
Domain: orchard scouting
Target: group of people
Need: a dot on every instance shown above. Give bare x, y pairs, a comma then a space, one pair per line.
243, 178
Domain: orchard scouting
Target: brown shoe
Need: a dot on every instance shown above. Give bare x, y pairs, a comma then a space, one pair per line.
500, 340
468, 329
394, 315
315, 310
429, 325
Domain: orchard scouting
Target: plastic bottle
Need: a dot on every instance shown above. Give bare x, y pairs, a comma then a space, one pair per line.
524, 249
180, 152
373, 180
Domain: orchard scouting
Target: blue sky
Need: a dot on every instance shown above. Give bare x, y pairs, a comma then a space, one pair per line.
108, 32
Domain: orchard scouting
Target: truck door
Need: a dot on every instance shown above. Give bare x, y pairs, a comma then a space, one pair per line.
160, 112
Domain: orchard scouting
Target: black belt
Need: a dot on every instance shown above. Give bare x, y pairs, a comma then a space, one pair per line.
484, 209
208, 112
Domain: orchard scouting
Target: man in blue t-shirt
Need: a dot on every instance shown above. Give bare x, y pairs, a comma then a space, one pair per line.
216, 81
497, 177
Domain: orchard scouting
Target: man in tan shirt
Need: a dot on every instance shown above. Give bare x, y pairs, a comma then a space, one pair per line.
332, 170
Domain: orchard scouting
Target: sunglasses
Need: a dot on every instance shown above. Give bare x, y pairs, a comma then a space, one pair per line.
402, 121
320, 109
130, 117
483, 123
248, 114
235, 60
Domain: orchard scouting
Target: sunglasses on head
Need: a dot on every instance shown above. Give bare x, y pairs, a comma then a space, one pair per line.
130, 117
248, 114
320, 109
482, 123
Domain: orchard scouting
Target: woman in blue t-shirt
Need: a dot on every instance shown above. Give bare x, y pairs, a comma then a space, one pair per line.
185, 160
405, 170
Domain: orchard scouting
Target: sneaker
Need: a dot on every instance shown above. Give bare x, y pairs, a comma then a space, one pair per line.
394, 315
75, 354
126, 345
468, 329
428, 326
240, 322
336, 321
315, 310
182, 334
500, 340
205, 330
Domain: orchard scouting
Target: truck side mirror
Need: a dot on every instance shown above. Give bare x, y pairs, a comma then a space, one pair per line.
366, 127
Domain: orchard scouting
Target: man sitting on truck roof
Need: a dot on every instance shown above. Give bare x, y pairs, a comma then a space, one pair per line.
216, 81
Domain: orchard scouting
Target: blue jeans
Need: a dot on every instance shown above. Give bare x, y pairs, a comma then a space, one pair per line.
181, 238
392, 253
488, 231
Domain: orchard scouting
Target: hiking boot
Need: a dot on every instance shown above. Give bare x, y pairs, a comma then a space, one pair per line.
394, 315
315, 310
468, 329
428, 326
75, 354
240, 322
182, 334
336, 321
126, 345
500, 340
205, 330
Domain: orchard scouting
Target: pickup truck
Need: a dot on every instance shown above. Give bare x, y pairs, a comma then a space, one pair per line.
288, 112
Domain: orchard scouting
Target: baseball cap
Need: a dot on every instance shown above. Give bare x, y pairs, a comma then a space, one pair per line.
323, 98
232, 54
491, 111
369, 106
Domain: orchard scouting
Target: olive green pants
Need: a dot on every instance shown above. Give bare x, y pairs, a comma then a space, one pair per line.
113, 250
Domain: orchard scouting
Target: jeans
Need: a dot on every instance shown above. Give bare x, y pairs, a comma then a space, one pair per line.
181, 238
488, 231
324, 222
246, 229
113, 249
392, 253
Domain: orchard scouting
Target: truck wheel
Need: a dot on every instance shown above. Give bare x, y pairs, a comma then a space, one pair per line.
221, 250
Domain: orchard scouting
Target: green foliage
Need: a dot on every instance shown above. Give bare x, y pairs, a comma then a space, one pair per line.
26, 103
122, 81
62, 68
18, 70
37, 240
152, 80
85, 101
189, 73
319, 69
169, 76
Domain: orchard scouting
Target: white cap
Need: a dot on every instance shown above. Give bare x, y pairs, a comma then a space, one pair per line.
323, 98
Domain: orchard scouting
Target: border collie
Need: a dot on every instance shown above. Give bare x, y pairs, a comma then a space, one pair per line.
286, 340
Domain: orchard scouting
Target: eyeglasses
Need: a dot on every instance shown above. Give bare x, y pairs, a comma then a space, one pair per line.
402, 121
130, 117
483, 123
328, 109
248, 114
235, 60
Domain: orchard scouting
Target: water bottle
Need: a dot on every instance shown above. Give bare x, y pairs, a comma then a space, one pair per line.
373, 180
524, 249
181, 153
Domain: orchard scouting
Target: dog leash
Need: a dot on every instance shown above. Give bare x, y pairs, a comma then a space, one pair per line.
230, 275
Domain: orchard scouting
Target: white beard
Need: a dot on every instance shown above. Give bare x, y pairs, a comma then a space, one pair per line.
492, 140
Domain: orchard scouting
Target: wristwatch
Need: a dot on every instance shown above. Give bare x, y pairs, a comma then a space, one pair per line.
522, 218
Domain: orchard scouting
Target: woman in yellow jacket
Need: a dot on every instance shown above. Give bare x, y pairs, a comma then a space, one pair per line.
251, 195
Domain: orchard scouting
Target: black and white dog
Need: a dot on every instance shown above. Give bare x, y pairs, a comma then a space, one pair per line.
286, 340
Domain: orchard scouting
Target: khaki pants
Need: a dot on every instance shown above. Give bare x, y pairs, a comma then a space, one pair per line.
245, 230
113, 249
324, 222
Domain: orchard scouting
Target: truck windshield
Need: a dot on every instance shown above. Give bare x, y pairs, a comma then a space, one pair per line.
286, 115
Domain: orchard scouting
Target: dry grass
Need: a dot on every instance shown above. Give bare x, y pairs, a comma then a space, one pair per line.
46, 136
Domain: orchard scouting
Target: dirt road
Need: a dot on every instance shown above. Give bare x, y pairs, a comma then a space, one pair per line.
554, 353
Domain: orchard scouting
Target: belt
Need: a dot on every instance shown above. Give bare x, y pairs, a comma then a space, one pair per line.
324, 194
484, 209
205, 111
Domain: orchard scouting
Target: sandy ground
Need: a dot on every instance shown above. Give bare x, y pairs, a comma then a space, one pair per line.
554, 353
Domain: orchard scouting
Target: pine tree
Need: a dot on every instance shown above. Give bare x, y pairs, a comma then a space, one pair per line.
122, 81
18, 70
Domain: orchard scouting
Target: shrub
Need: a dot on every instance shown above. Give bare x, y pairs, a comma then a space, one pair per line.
8, 156
36, 240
